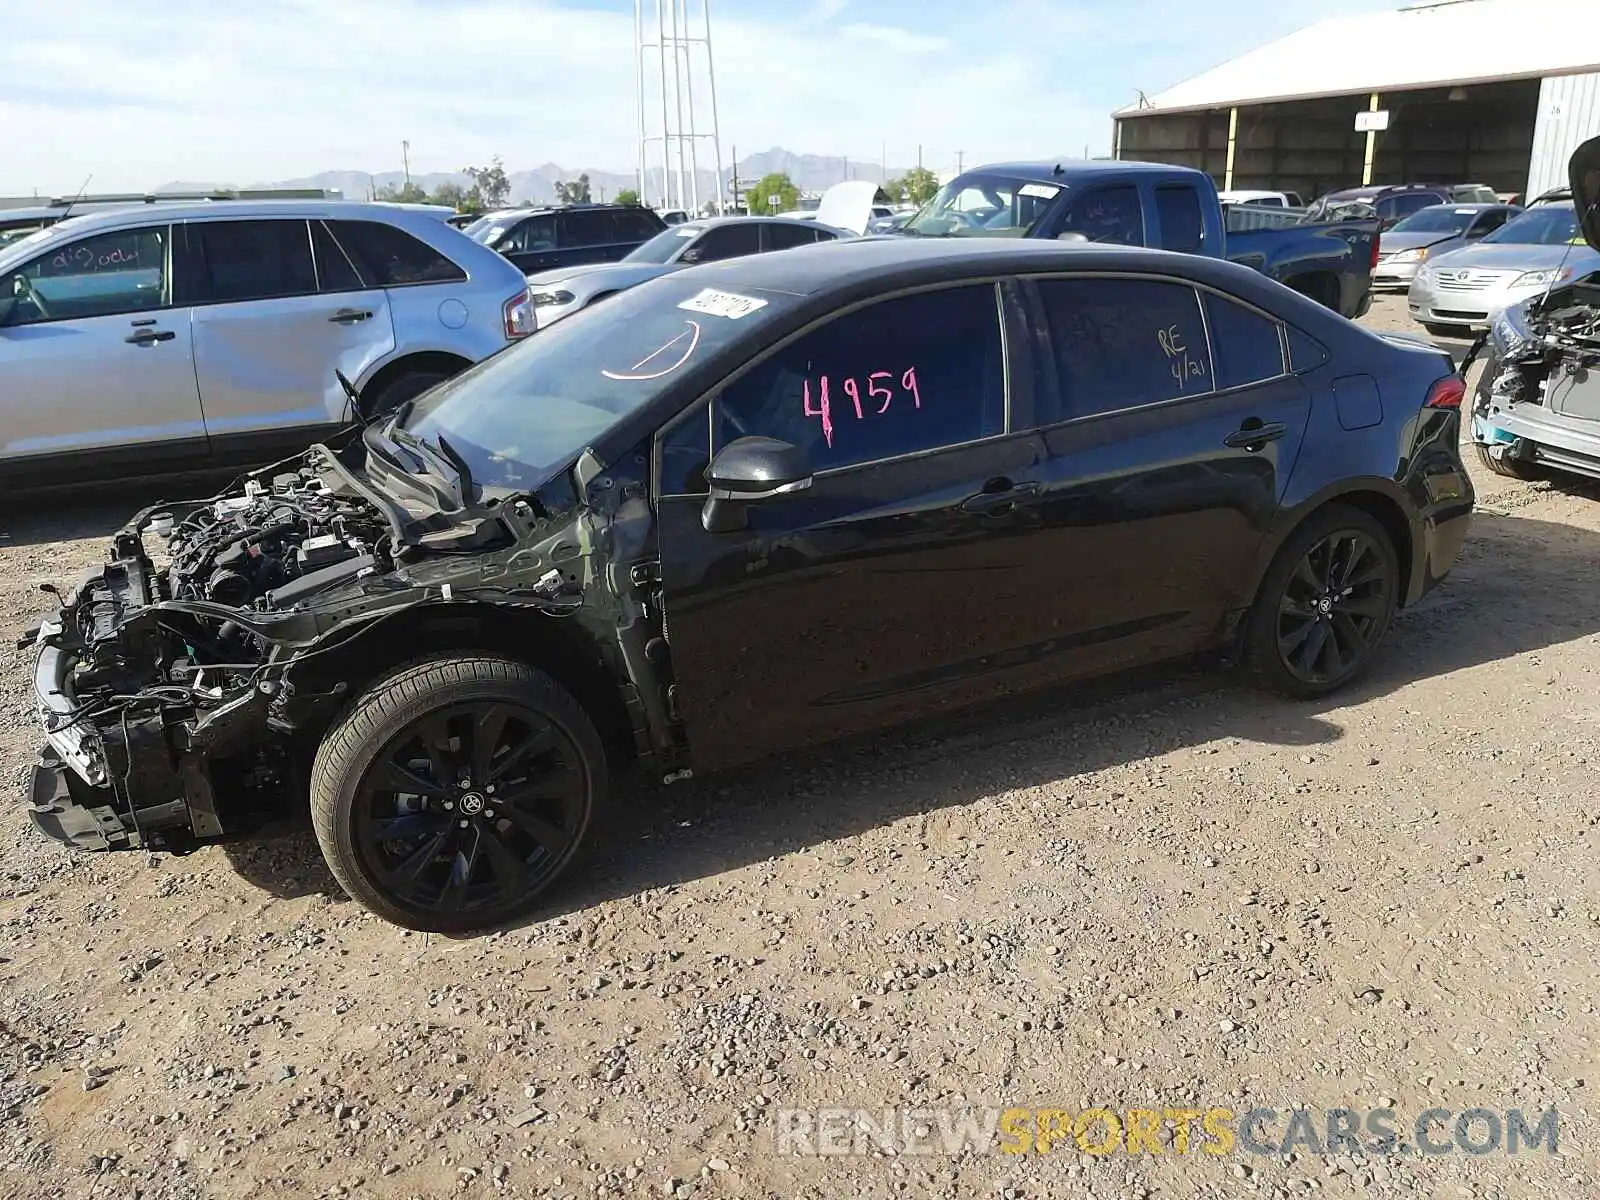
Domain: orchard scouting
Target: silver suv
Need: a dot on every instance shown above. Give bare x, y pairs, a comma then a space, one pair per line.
193, 336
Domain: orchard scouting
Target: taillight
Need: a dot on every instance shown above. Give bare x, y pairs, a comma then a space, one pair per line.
1447, 393
519, 316
1376, 242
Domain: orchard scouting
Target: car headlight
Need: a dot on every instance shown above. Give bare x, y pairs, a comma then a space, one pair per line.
547, 299
1404, 256
1542, 278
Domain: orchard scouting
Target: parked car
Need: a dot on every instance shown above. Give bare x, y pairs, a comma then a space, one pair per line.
1537, 404
1393, 202
537, 239
1152, 204
189, 336
1269, 199
745, 508
893, 223
1430, 232
565, 290
1463, 290
674, 216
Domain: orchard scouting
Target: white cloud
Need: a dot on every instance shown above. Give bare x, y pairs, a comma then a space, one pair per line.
139, 95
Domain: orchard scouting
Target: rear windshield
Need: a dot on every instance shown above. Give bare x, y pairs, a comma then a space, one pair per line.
1547, 225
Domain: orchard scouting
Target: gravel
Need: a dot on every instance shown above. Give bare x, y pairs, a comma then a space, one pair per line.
1159, 892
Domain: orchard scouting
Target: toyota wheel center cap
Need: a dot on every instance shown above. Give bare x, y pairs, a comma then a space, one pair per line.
471, 803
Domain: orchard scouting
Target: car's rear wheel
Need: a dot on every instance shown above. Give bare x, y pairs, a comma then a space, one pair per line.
1326, 602
1511, 468
455, 792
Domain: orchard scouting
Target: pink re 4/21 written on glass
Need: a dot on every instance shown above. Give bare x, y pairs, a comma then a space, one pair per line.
822, 407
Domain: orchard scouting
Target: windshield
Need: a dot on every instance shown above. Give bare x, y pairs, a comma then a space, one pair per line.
489, 230
1547, 225
664, 246
1440, 218
983, 206
523, 413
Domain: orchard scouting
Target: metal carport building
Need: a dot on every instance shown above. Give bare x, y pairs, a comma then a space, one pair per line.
1482, 91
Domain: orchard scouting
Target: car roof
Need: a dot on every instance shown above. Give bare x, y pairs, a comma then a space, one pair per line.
1060, 170
118, 218
895, 260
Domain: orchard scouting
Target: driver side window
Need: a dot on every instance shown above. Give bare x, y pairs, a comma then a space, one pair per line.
106, 275
898, 377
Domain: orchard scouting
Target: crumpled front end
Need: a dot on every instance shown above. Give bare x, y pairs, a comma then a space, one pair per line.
1538, 402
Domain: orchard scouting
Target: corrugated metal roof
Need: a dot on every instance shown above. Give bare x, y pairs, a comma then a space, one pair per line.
1423, 45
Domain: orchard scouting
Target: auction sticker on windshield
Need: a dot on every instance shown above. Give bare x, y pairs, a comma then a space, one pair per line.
722, 304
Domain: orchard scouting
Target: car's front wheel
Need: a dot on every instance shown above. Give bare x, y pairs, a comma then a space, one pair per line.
1325, 604
455, 791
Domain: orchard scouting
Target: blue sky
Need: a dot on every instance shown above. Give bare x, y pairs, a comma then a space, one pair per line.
257, 90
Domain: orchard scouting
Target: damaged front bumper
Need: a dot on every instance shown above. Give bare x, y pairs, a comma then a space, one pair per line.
1538, 401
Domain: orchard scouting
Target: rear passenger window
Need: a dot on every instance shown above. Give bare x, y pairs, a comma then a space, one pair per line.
783, 237
334, 272
391, 257
636, 226
1178, 210
1108, 214
1120, 343
581, 228
1305, 351
1245, 346
900, 376
254, 260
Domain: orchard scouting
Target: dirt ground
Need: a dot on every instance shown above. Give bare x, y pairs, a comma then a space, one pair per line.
1162, 892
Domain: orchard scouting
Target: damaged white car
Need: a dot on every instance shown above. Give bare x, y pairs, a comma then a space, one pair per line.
1537, 405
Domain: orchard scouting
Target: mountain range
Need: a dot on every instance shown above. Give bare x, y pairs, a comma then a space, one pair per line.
810, 172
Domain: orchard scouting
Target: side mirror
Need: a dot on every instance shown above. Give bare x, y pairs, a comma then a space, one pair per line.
749, 469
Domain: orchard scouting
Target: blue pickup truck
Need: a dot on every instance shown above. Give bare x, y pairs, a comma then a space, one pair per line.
1151, 204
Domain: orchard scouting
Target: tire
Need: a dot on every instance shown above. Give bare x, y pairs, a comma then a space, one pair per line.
1511, 468
406, 386
449, 856
1446, 331
1279, 639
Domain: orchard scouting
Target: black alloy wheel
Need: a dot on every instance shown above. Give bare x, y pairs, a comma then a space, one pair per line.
1325, 604
455, 792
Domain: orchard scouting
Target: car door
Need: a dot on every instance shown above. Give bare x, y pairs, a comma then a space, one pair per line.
273, 319
895, 583
1167, 453
96, 363
533, 244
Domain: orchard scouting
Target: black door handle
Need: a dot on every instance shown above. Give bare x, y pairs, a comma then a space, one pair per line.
349, 316
145, 336
999, 498
1254, 434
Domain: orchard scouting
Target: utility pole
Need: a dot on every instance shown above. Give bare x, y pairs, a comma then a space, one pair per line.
961, 156
847, 168
735, 196
919, 156
405, 160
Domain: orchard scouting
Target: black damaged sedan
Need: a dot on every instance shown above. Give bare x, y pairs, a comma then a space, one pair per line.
747, 508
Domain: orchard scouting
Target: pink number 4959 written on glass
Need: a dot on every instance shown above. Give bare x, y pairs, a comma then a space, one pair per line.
876, 390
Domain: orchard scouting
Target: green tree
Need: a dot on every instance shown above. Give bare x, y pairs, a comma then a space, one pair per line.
490, 187
573, 191
407, 193
628, 196
775, 193
452, 194
916, 186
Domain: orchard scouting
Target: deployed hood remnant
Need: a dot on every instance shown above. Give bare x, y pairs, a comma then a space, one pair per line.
1583, 171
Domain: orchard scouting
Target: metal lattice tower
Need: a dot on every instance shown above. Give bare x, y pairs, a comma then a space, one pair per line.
672, 48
